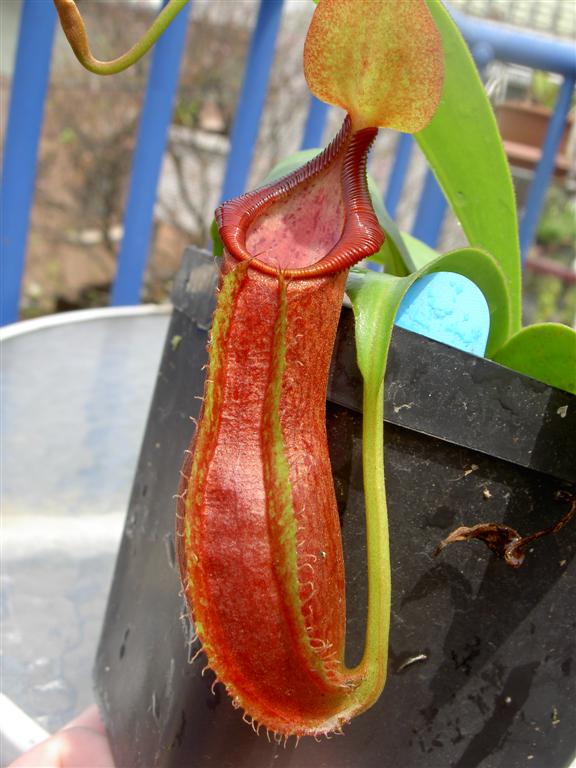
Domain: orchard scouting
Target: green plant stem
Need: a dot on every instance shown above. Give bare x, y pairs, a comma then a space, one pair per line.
377, 541
75, 31
375, 300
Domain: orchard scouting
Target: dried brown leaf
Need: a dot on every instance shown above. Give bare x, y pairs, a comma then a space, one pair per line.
506, 542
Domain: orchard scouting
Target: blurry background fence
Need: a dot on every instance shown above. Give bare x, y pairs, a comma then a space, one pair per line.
30, 83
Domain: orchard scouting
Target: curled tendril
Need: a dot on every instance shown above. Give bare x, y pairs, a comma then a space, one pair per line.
74, 29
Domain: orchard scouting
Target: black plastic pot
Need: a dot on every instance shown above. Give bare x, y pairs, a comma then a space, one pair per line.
482, 668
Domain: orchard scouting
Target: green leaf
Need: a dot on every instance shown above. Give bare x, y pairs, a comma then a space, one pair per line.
217, 244
376, 297
420, 253
546, 352
464, 149
393, 254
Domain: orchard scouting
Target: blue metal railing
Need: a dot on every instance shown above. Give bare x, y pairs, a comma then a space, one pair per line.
315, 124
252, 96
29, 87
400, 167
545, 168
29, 84
151, 142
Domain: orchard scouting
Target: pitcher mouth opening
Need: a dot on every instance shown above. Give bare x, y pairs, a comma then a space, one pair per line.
317, 221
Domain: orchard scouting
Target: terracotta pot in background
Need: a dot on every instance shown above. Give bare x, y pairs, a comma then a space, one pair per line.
523, 127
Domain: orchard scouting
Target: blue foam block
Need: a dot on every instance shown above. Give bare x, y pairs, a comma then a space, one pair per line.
449, 308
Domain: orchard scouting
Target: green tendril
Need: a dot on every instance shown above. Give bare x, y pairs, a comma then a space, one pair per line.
75, 31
